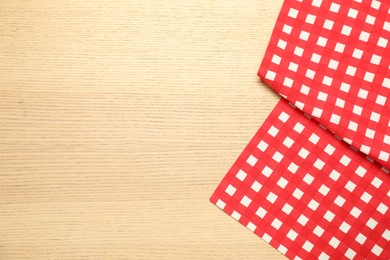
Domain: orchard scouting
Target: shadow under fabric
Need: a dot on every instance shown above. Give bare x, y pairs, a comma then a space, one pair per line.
314, 180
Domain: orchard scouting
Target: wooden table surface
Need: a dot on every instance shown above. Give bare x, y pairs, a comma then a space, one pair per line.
118, 119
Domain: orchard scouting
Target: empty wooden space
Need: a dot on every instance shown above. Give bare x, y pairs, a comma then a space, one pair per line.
118, 119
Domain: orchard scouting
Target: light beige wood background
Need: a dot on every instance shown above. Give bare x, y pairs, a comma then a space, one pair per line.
118, 119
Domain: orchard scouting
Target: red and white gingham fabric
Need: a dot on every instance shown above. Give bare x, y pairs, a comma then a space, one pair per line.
306, 193
332, 60
295, 185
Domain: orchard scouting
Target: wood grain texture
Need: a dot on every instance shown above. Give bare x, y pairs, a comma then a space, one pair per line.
118, 119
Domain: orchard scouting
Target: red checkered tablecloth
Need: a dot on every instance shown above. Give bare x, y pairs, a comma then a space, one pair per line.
313, 182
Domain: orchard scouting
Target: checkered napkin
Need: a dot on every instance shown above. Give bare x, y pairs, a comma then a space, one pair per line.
306, 193
332, 60
295, 185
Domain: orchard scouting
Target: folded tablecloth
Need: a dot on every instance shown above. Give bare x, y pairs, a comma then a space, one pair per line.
313, 181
